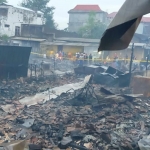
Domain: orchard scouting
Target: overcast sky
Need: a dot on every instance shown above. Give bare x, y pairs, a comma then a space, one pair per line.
62, 7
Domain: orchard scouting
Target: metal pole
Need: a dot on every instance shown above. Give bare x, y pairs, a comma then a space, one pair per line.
31, 69
54, 62
147, 60
48, 92
131, 61
35, 70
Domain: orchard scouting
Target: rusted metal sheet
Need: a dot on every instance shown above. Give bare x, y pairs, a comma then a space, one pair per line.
14, 61
16, 145
87, 70
140, 85
112, 71
92, 69
79, 70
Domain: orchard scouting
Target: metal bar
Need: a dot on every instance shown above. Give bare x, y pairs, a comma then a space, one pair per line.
54, 62
131, 61
31, 69
147, 60
35, 70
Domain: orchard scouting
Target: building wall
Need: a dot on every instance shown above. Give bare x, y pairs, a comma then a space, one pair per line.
73, 49
77, 20
90, 49
32, 31
109, 20
52, 49
35, 45
146, 28
140, 28
15, 17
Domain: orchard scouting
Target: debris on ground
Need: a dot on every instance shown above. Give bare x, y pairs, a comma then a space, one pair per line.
17, 89
86, 116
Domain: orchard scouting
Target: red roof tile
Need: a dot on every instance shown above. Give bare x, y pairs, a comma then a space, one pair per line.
112, 15
145, 19
86, 8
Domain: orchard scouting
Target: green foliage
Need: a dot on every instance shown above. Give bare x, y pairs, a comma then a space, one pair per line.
93, 29
3, 1
48, 14
4, 37
41, 5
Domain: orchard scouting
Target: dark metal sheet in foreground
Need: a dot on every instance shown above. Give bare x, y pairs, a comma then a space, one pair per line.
14, 61
122, 28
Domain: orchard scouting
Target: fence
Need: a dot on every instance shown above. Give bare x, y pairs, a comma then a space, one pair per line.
93, 60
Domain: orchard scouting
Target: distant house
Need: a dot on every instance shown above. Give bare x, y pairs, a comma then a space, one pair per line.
11, 18
141, 48
70, 45
32, 35
143, 28
78, 16
111, 16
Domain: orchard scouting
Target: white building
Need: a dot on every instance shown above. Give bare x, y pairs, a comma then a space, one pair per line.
79, 15
11, 18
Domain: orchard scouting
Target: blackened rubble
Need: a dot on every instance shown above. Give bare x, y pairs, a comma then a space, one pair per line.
96, 118
17, 89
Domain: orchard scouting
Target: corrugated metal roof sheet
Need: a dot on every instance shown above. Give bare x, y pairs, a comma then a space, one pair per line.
19, 7
83, 44
68, 44
138, 44
54, 93
28, 39
78, 40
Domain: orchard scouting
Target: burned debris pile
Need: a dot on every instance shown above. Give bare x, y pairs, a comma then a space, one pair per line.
105, 75
86, 117
22, 87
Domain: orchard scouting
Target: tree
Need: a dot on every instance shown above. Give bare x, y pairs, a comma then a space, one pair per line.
4, 38
93, 29
3, 1
41, 5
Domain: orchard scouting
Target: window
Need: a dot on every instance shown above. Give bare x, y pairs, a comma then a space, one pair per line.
3, 12
25, 18
60, 48
7, 25
39, 15
17, 31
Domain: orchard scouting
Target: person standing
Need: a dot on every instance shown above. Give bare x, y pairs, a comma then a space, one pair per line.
86, 59
90, 58
81, 59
